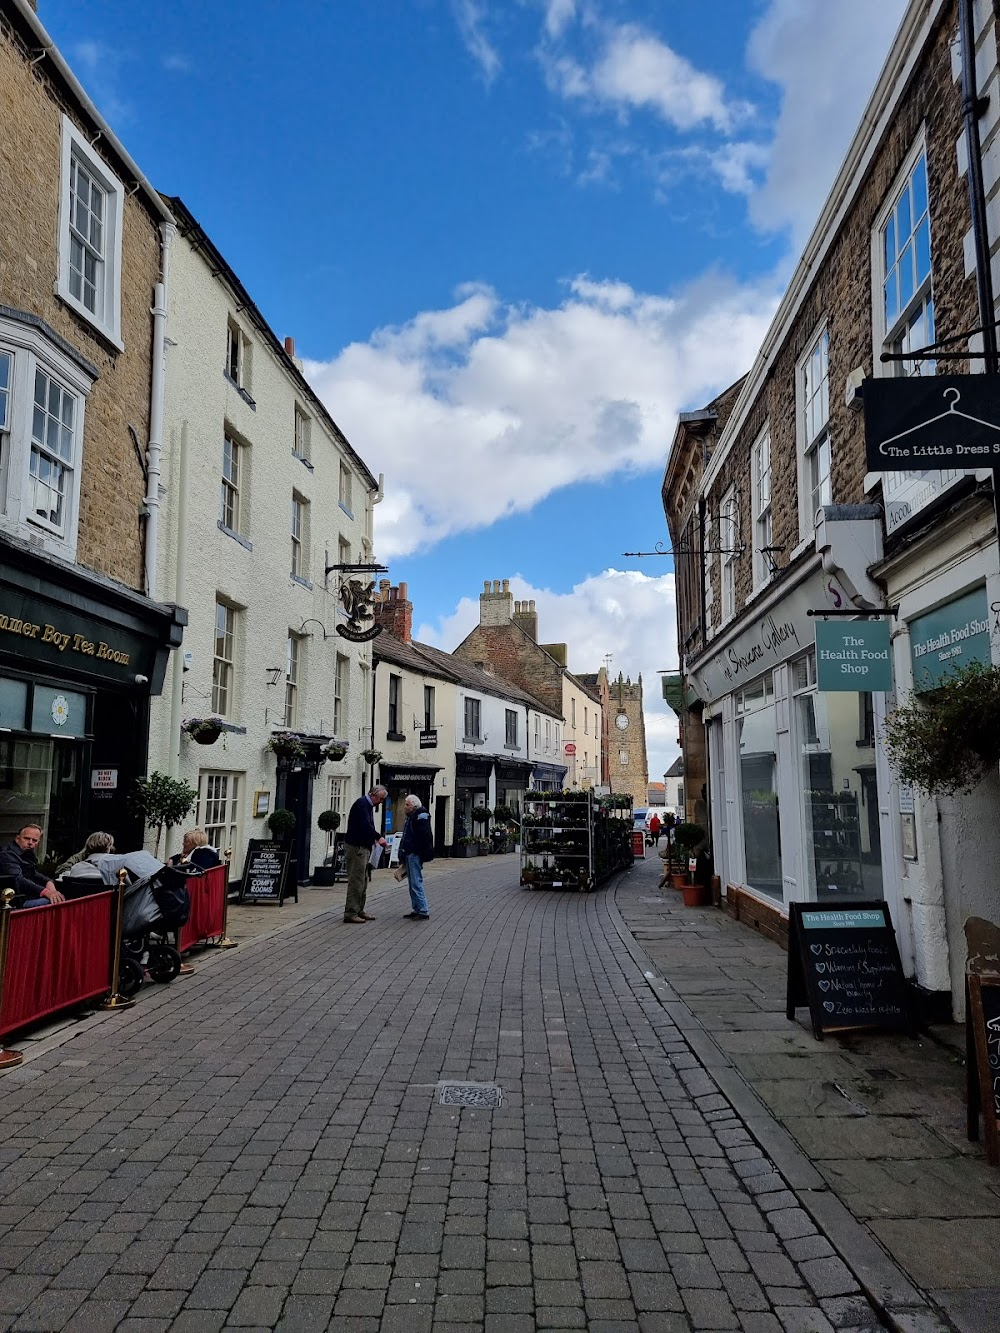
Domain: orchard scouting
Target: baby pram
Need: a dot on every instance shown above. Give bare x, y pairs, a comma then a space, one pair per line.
156, 905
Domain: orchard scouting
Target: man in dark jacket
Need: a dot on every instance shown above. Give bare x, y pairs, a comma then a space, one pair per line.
415, 847
18, 859
360, 838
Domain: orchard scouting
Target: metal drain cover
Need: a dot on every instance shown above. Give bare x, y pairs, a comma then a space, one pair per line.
470, 1094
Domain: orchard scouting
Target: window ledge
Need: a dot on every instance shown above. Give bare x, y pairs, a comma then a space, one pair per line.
348, 512
472, 740
106, 331
511, 747
806, 544
302, 582
235, 535
395, 736
240, 390
304, 461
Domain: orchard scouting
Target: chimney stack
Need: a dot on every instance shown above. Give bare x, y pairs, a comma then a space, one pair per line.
526, 616
394, 610
496, 603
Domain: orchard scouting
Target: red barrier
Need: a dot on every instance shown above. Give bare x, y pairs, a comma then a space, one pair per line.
208, 908
56, 957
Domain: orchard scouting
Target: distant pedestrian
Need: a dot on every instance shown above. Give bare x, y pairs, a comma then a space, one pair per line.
415, 848
654, 830
359, 840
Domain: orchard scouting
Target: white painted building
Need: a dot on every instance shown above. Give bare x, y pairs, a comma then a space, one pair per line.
261, 495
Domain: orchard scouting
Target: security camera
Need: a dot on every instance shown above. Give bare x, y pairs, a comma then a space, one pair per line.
142, 680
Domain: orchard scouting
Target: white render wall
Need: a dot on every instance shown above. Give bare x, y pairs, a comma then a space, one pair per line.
254, 576
401, 754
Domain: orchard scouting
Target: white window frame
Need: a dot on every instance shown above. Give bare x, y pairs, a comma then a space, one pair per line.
337, 800
760, 490
394, 705
300, 537
237, 340
301, 432
812, 430
430, 707
340, 691
345, 491
897, 335
538, 733
293, 679
108, 320
510, 729
219, 794
729, 523
29, 350
223, 666
233, 490
472, 709
706, 565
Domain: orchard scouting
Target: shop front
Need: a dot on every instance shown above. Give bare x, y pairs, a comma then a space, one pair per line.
80, 657
793, 766
473, 784
512, 780
548, 777
401, 781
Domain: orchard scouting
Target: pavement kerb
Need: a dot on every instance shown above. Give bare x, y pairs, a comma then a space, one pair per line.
904, 1308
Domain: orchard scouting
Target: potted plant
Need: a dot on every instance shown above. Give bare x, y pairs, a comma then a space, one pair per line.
286, 745
281, 822
371, 756
204, 730
323, 875
334, 751
947, 741
467, 846
162, 801
688, 837
481, 814
328, 820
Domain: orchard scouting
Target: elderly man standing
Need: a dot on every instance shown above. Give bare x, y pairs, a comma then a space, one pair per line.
415, 847
18, 859
360, 838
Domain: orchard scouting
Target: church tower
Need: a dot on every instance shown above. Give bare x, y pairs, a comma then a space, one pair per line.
628, 767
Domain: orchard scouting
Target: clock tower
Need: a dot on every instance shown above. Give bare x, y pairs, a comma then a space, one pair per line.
628, 768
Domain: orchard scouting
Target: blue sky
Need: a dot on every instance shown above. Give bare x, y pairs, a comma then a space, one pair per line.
512, 240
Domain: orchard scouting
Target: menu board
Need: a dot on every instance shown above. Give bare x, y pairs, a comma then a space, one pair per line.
984, 1018
638, 843
265, 871
843, 962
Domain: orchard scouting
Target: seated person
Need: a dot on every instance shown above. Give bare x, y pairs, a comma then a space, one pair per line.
195, 849
18, 860
96, 842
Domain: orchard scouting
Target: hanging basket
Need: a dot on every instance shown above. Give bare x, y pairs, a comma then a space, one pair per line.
946, 742
371, 756
203, 730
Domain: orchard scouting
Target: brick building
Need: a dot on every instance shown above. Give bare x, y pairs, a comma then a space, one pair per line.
769, 500
506, 640
83, 267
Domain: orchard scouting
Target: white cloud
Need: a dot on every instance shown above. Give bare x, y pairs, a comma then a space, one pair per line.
826, 58
559, 14
470, 18
622, 612
99, 67
484, 408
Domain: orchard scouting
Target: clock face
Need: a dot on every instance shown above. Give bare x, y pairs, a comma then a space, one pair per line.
621, 722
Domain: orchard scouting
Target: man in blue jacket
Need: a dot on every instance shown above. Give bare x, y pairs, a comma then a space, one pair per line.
360, 838
415, 847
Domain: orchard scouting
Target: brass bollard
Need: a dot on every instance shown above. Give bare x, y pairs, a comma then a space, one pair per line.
8, 1059
115, 1000
226, 942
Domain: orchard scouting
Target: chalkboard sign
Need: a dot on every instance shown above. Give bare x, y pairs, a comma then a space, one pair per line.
339, 857
843, 962
984, 1018
265, 871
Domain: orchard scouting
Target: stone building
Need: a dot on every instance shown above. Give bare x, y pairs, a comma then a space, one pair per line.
506, 640
264, 498
84, 251
628, 767
770, 492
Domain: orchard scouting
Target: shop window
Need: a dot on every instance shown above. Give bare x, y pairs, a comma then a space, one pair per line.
222, 664
761, 494
428, 708
758, 767
340, 678
473, 720
292, 653
90, 230
842, 854
510, 729
300, 537
814, 432
903, 268
219, 807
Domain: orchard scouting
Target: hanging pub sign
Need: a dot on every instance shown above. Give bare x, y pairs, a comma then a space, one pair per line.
358, 601
853, 655
843, 962
933, 422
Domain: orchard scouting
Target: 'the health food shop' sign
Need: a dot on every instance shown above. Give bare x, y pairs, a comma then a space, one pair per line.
853, 655
952, 636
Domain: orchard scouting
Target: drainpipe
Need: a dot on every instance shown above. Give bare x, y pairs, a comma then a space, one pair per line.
152, 502
180, 577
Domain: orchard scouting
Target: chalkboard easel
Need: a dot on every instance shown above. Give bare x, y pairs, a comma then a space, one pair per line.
982, 1028
843, 962
268, 872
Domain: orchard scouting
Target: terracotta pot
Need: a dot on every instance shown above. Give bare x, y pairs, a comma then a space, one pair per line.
695, 895
679, 879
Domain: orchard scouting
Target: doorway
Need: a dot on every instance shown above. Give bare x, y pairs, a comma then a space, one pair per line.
440, 824
298, 799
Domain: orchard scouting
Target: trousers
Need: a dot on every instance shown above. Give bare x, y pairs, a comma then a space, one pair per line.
356, 860
415, 876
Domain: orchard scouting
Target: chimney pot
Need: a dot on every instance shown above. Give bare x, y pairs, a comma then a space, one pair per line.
486, 586
403, 592
290, 345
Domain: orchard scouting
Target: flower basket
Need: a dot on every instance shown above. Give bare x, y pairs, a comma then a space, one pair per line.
203, 730
335, 751
286, 745
371, 756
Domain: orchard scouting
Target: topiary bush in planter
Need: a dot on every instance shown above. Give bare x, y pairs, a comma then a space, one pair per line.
947, 741
281, 823
328, 820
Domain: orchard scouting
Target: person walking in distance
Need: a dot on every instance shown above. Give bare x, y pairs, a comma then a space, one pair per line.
360, 838
415, 848
654, 830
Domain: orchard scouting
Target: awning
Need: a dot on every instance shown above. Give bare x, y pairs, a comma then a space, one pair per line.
549, 773
471, 766
511, 770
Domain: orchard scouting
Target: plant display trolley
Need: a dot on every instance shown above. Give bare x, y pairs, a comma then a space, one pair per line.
573, 839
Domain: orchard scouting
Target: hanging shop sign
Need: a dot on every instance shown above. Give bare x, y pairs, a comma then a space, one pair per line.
429, 739
358, 599
569, 748
853, 655
843, 962
951, 636
931, 422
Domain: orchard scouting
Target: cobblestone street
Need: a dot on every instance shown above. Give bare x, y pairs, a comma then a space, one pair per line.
263, 1144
